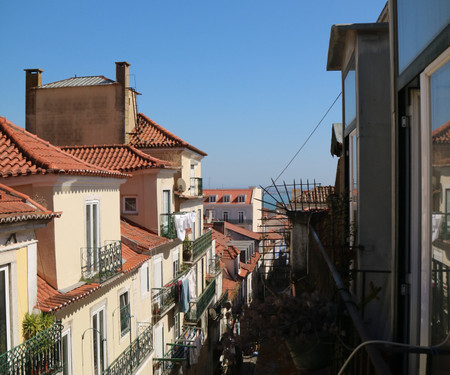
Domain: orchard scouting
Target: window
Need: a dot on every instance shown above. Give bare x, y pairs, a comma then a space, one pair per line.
176, 324
212, 199
145, 279
350, 96
166, 224
124, 313
66, 353
92, 234
241, 217
225, 216
99, 341
226, 199
159, 340
4, 310
176, 262
129, 205
241, 198
199, 220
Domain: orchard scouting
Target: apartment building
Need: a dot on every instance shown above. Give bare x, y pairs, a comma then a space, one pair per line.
242, 207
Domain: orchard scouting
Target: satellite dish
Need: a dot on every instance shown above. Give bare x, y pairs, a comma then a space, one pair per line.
181, 185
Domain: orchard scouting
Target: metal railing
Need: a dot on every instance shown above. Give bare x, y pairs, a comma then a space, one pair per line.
196, 186
101, 263
167, 226
162, 300
213, 266
39, 355
132, 357
198, 308
195, 249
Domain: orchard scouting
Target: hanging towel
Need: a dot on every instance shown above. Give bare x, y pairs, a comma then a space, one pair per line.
192, 277
184, 303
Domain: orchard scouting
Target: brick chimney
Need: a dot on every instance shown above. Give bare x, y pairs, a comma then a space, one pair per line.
122, 73
33, 79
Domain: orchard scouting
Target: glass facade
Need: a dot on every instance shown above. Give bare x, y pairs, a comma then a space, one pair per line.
419, 21
350, 97
440, 201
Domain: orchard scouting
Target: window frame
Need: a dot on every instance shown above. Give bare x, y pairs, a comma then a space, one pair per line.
5, 268
124, 330
241, 217
241, 198
129, 212
92, 229
96, 312
212, 199
67, 333
228, 198
227, 214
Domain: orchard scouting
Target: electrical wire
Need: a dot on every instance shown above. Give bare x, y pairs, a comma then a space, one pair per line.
341, 371
310, 135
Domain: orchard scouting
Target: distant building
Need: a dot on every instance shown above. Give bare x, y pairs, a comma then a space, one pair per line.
242, 207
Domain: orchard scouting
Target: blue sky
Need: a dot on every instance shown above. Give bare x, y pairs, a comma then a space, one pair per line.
243, 80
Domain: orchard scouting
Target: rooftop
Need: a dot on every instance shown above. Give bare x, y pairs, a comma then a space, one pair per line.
149, 134
23, 153
245, 232
16, 207
79, 81
233, 193
122, 158
138, 238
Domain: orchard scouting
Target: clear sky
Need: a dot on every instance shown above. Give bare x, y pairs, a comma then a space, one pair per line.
243, 80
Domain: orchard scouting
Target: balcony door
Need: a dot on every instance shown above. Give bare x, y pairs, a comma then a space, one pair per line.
99, 341
92, 234
4, 310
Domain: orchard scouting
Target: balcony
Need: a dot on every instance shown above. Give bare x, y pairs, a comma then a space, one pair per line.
134, 355
198, 308
163, 299
167, 226
196, 186
178, 352
192, 250
214, 267
99, 264
39, 355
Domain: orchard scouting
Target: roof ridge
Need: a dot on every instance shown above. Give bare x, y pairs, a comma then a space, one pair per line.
71, 78
164, 130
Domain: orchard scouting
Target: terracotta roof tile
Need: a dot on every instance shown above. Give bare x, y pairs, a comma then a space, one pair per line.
123, 158
230, 252
138, 238
441, 135
252, 264
133, 260
15, 207
50, 300
149, 134
233, 193
243, 231
23, 153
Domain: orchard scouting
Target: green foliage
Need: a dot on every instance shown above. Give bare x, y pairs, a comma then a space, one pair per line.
33, 324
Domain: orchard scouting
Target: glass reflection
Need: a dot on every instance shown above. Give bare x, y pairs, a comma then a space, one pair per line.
350, 97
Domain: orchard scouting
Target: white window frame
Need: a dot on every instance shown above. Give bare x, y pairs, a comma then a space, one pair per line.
425, 120
145, 279
228, 198
241, 213
241, 198
127, 330
124, 205
94, 228
67, 333
175, 262
227, 214
103, 336
5, 268
212, 199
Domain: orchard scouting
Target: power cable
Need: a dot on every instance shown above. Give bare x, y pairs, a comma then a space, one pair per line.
307, 139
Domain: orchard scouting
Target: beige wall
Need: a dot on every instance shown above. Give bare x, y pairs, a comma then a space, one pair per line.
257, 210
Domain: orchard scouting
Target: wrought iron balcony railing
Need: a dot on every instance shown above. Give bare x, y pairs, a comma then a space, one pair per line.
196, 186
132, 357
178, 351
163, 299
39, 355
167, 226
101, 263
214, 267
192, 250
198, 308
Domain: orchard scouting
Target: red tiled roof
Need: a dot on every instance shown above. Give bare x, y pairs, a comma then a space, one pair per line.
243, 231
49, 299
23, 153
229, 284
149, 134
230, 252
233, 193
122, 158
253, 262
138, 238
219, 237
441, 135
273, 236
133, 260
15, 207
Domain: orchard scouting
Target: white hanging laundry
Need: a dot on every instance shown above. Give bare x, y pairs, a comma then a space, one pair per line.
192, 277
180, 226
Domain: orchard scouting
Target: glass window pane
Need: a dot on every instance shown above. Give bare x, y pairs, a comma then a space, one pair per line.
440, 203
419, 21
350, 97
3, 312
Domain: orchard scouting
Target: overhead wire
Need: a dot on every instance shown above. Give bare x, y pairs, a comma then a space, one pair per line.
310, 135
